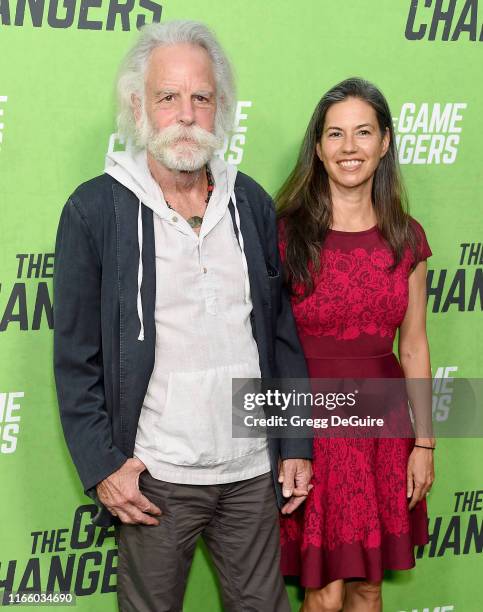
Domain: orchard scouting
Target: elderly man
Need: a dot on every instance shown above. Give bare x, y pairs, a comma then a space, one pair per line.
167, 286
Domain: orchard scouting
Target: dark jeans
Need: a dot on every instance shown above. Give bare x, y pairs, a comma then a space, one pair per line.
239, 524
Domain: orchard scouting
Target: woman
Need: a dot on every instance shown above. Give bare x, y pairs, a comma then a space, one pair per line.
355, 264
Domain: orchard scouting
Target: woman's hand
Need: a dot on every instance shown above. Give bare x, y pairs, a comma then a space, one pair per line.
420, 474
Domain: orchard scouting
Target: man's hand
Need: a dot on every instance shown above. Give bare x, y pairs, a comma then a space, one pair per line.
120, 493
295, 475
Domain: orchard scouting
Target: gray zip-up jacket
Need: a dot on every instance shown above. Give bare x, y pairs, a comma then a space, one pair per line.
102, 370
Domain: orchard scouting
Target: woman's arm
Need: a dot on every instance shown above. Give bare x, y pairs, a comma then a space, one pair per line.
413, 341
414, 358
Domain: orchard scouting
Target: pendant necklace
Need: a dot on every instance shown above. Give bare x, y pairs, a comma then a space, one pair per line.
196, 221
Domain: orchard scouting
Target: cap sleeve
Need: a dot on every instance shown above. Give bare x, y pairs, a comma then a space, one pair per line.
423, 250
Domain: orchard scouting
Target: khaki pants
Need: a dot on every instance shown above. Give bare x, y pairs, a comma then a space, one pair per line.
239, 524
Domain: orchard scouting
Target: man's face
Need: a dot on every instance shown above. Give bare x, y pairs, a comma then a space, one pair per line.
178, 119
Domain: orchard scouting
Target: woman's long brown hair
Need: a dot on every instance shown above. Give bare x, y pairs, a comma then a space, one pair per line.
304, 201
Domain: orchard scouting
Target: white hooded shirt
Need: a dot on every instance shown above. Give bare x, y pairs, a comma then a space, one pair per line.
203, 336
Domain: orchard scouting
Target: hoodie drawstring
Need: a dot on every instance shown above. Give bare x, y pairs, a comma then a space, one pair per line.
242, 249
140, 272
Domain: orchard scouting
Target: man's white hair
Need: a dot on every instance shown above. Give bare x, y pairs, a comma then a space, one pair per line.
133, 69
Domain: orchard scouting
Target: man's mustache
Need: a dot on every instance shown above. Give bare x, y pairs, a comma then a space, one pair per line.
195, 134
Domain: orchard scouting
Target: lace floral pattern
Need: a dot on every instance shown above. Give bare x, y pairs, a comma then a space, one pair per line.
355, 294
346, 508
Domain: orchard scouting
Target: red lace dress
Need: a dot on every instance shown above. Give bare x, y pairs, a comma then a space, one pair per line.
355, 522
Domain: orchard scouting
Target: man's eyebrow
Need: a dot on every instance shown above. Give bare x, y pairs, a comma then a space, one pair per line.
208, 93
164, 92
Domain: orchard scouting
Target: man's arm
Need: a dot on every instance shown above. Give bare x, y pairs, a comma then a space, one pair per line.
106, 473
295, 452
78, 350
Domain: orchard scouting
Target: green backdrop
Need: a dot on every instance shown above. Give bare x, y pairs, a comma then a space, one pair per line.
57, 68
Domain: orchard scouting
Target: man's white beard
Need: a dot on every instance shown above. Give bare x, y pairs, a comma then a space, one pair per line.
179, 147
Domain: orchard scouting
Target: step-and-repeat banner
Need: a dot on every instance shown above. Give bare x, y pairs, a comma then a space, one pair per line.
58, 61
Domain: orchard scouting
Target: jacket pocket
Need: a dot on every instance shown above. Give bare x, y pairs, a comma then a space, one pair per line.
272, 271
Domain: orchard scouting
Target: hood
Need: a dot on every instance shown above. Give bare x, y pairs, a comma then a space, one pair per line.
130, 168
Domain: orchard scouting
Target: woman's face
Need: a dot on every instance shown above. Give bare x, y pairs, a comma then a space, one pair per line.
351, 145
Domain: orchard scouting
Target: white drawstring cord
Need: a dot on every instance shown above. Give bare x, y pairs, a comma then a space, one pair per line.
140, 272
242, 249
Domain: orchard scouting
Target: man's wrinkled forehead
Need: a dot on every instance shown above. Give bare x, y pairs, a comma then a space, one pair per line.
180, 66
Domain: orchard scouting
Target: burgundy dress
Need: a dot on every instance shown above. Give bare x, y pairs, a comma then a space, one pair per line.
355, 522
